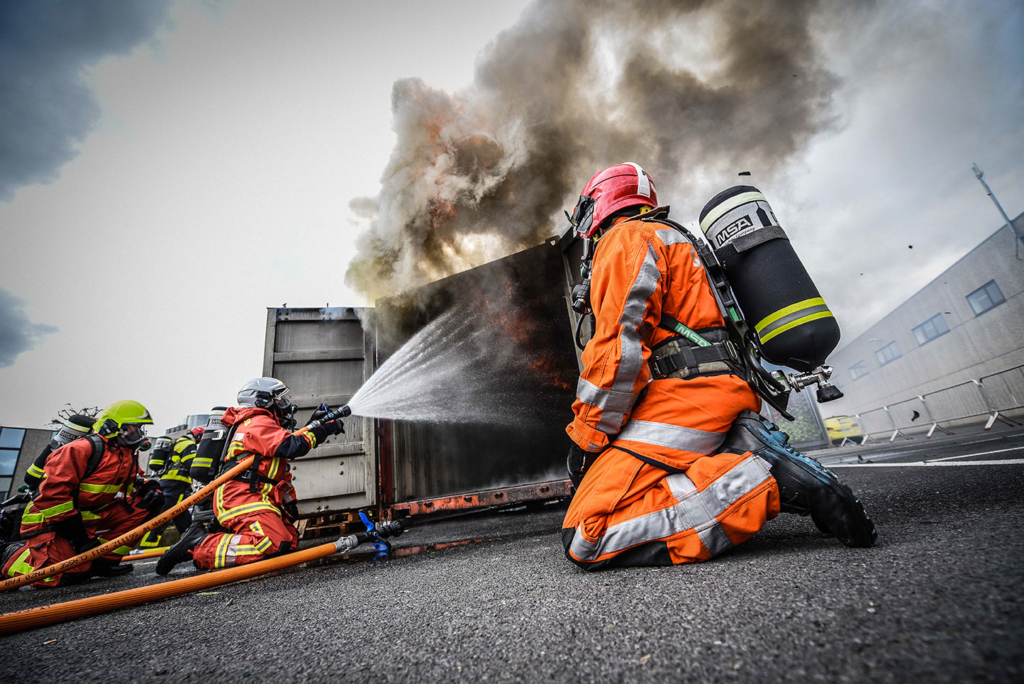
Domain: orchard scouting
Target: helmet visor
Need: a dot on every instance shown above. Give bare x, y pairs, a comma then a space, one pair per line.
582, 218
133, 434
283, 402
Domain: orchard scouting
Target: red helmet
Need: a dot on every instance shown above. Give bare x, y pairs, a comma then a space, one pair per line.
197, 433
615, 188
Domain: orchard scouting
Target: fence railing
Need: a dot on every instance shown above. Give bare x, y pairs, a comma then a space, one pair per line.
991, 395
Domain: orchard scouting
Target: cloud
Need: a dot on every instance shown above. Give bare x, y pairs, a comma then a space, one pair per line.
46, 106
17, 333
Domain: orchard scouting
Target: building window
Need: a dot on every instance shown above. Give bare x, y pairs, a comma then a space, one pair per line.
11, 438
858, 370
8, 460
887, 354
986, 297
930, 329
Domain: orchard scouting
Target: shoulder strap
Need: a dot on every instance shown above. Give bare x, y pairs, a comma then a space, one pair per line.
98, 447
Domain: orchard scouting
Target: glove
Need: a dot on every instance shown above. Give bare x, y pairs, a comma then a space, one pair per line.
322, 432
150, 496
318, 414
578, 463
73, 529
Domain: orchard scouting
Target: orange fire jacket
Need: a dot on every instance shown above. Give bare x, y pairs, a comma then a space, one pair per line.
641, 270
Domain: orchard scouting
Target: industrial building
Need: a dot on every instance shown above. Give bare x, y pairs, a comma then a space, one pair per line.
954, 351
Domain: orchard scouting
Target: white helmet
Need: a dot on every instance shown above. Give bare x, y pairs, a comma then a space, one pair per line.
267, 393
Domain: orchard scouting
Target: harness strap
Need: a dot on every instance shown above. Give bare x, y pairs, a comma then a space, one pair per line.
649, 461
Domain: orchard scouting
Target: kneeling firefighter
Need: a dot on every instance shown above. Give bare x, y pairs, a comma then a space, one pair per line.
174, 481
87, 496
671, 461
257, 509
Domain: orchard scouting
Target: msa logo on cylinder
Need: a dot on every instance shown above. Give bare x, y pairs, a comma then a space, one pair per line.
737, 226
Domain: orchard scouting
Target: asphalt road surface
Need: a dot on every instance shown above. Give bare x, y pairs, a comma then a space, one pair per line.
939, 599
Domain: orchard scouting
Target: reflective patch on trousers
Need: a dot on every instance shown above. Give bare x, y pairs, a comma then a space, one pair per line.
672, 436
695, 510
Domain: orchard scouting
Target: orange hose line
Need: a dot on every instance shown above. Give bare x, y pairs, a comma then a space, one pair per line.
145, 554
129, 538
42, 616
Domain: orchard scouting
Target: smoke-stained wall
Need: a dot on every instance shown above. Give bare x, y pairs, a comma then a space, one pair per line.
694, 91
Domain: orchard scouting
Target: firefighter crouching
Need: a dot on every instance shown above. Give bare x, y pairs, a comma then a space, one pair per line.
661, 484
256, 511
175, 483
87, 496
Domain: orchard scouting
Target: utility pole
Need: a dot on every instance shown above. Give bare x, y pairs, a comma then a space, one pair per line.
981, 179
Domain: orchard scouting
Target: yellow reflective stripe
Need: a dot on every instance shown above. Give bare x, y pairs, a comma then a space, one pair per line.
264, 545
792, 308
247, 508
221, 557
173, 475
58, 509
275, 465
35, 471
146, 540
99, 488
20, 567
793, 324
202, 462
89, 515
311, 438
257, 528
31, 518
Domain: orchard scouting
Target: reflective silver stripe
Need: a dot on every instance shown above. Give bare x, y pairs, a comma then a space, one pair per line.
606, 400
671, 236
672, 436
643, 183
695, 510
632, 358
775, 325
229, 555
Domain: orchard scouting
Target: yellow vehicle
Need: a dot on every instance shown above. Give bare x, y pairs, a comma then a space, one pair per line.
843, 427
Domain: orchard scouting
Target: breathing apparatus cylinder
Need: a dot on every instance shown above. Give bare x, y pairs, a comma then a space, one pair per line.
161, 455
790, 321
71, 428
206, 463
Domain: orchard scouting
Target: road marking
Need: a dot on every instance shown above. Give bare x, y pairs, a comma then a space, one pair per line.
936, 464
980, 453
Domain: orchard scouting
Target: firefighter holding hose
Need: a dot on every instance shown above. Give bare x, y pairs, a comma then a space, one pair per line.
658, 481
255, 511
87, 495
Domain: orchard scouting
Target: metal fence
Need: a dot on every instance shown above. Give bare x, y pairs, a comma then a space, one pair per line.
991, 396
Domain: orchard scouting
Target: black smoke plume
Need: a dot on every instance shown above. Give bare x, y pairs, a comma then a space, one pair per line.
17, 332
693, 90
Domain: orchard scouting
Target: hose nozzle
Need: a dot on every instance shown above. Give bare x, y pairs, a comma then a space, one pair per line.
344, 411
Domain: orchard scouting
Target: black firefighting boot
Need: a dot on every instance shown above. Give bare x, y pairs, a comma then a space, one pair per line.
182, 551
805, 486
104, 567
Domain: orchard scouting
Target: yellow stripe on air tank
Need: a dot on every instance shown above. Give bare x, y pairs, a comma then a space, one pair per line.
729, 205
793, 324
792, 308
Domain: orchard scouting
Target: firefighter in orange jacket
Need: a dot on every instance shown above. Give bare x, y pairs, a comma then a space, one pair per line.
87, 496
257, 509
653, 488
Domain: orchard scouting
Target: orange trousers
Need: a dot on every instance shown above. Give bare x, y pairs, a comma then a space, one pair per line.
257, 528
110, 522
659, 495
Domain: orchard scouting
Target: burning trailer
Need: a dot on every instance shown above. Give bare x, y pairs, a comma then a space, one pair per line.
474, 414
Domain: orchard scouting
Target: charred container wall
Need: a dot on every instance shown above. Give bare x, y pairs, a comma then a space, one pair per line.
521, 332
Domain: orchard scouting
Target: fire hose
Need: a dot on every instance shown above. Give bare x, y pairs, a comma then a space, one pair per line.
42, 616
146, 554
128, 538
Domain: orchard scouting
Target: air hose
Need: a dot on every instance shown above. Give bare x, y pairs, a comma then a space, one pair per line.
42, 616
129, 538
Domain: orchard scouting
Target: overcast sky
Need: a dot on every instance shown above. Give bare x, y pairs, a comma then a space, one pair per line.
169, 171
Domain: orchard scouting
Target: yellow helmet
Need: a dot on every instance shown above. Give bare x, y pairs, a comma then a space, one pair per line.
125, 419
